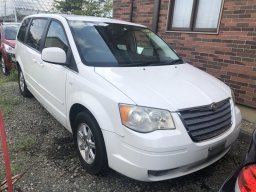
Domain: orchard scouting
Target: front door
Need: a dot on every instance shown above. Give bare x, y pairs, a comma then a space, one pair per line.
52, 77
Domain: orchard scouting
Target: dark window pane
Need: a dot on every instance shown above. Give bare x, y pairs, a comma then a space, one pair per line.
143, 45
10, 31
92, 48
23, 29
35, 33
56, 37
117, 45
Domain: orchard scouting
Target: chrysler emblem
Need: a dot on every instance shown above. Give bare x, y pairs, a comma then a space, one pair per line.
214, 106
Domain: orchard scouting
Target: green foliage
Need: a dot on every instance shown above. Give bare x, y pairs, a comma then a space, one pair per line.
24, 144
99, 8
7, 102
12, 76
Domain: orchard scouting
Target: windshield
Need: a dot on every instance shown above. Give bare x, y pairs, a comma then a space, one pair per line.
118, 45
10, 31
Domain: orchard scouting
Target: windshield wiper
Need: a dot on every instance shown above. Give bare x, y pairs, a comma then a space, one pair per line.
152, 63
177, 61
139, 64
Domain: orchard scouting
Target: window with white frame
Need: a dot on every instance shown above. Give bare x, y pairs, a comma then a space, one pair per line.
194, 15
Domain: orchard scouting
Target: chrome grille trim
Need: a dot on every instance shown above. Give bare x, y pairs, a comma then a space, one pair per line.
205, 122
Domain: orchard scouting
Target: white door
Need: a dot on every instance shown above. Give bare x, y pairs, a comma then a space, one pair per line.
52, 77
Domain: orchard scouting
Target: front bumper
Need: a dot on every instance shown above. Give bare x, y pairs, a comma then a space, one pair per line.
162, 155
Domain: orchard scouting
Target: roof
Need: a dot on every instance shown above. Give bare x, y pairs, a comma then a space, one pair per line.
87, 18
10, 23
98, 19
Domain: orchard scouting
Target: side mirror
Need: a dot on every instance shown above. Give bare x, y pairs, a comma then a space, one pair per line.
54, 55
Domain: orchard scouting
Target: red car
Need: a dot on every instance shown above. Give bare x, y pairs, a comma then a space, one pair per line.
8, 32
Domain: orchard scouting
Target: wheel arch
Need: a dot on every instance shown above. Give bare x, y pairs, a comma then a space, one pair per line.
18, 66
74, 111
105, 116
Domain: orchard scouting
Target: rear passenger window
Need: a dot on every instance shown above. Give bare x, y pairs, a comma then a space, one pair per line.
23, 29
35, 33
56, 37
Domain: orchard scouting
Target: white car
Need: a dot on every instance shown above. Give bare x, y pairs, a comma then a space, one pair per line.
130, 101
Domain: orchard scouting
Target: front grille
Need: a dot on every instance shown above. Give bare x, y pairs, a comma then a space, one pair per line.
206, 122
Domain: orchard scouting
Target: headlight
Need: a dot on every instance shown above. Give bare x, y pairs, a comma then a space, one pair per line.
233, 96
144, 119
9, 49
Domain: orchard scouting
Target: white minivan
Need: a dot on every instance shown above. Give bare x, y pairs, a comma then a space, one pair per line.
130, 101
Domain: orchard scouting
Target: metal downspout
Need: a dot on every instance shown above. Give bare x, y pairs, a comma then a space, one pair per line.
156, 15
131, 10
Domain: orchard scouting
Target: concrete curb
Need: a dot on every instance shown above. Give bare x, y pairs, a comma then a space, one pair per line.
249, 114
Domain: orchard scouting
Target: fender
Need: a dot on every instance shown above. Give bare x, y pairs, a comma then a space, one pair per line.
98, 96
107, 118
19, 63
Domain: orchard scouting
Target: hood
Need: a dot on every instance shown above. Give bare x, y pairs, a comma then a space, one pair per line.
10, 42
167, 87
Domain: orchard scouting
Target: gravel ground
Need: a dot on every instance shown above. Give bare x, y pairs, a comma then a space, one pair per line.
39, 145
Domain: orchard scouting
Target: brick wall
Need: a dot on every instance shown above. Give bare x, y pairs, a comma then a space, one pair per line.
229, 55
142, 11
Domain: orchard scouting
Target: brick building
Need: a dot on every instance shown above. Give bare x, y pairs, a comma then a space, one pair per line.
216, 36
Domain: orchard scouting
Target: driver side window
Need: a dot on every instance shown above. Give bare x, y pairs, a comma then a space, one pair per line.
56, 37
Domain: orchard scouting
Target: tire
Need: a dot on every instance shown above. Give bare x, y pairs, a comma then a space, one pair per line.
90, 144
3, 66
22, 85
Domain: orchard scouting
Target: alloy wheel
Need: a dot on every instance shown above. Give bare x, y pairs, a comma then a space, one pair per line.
86, 143
3, 66
22, 82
